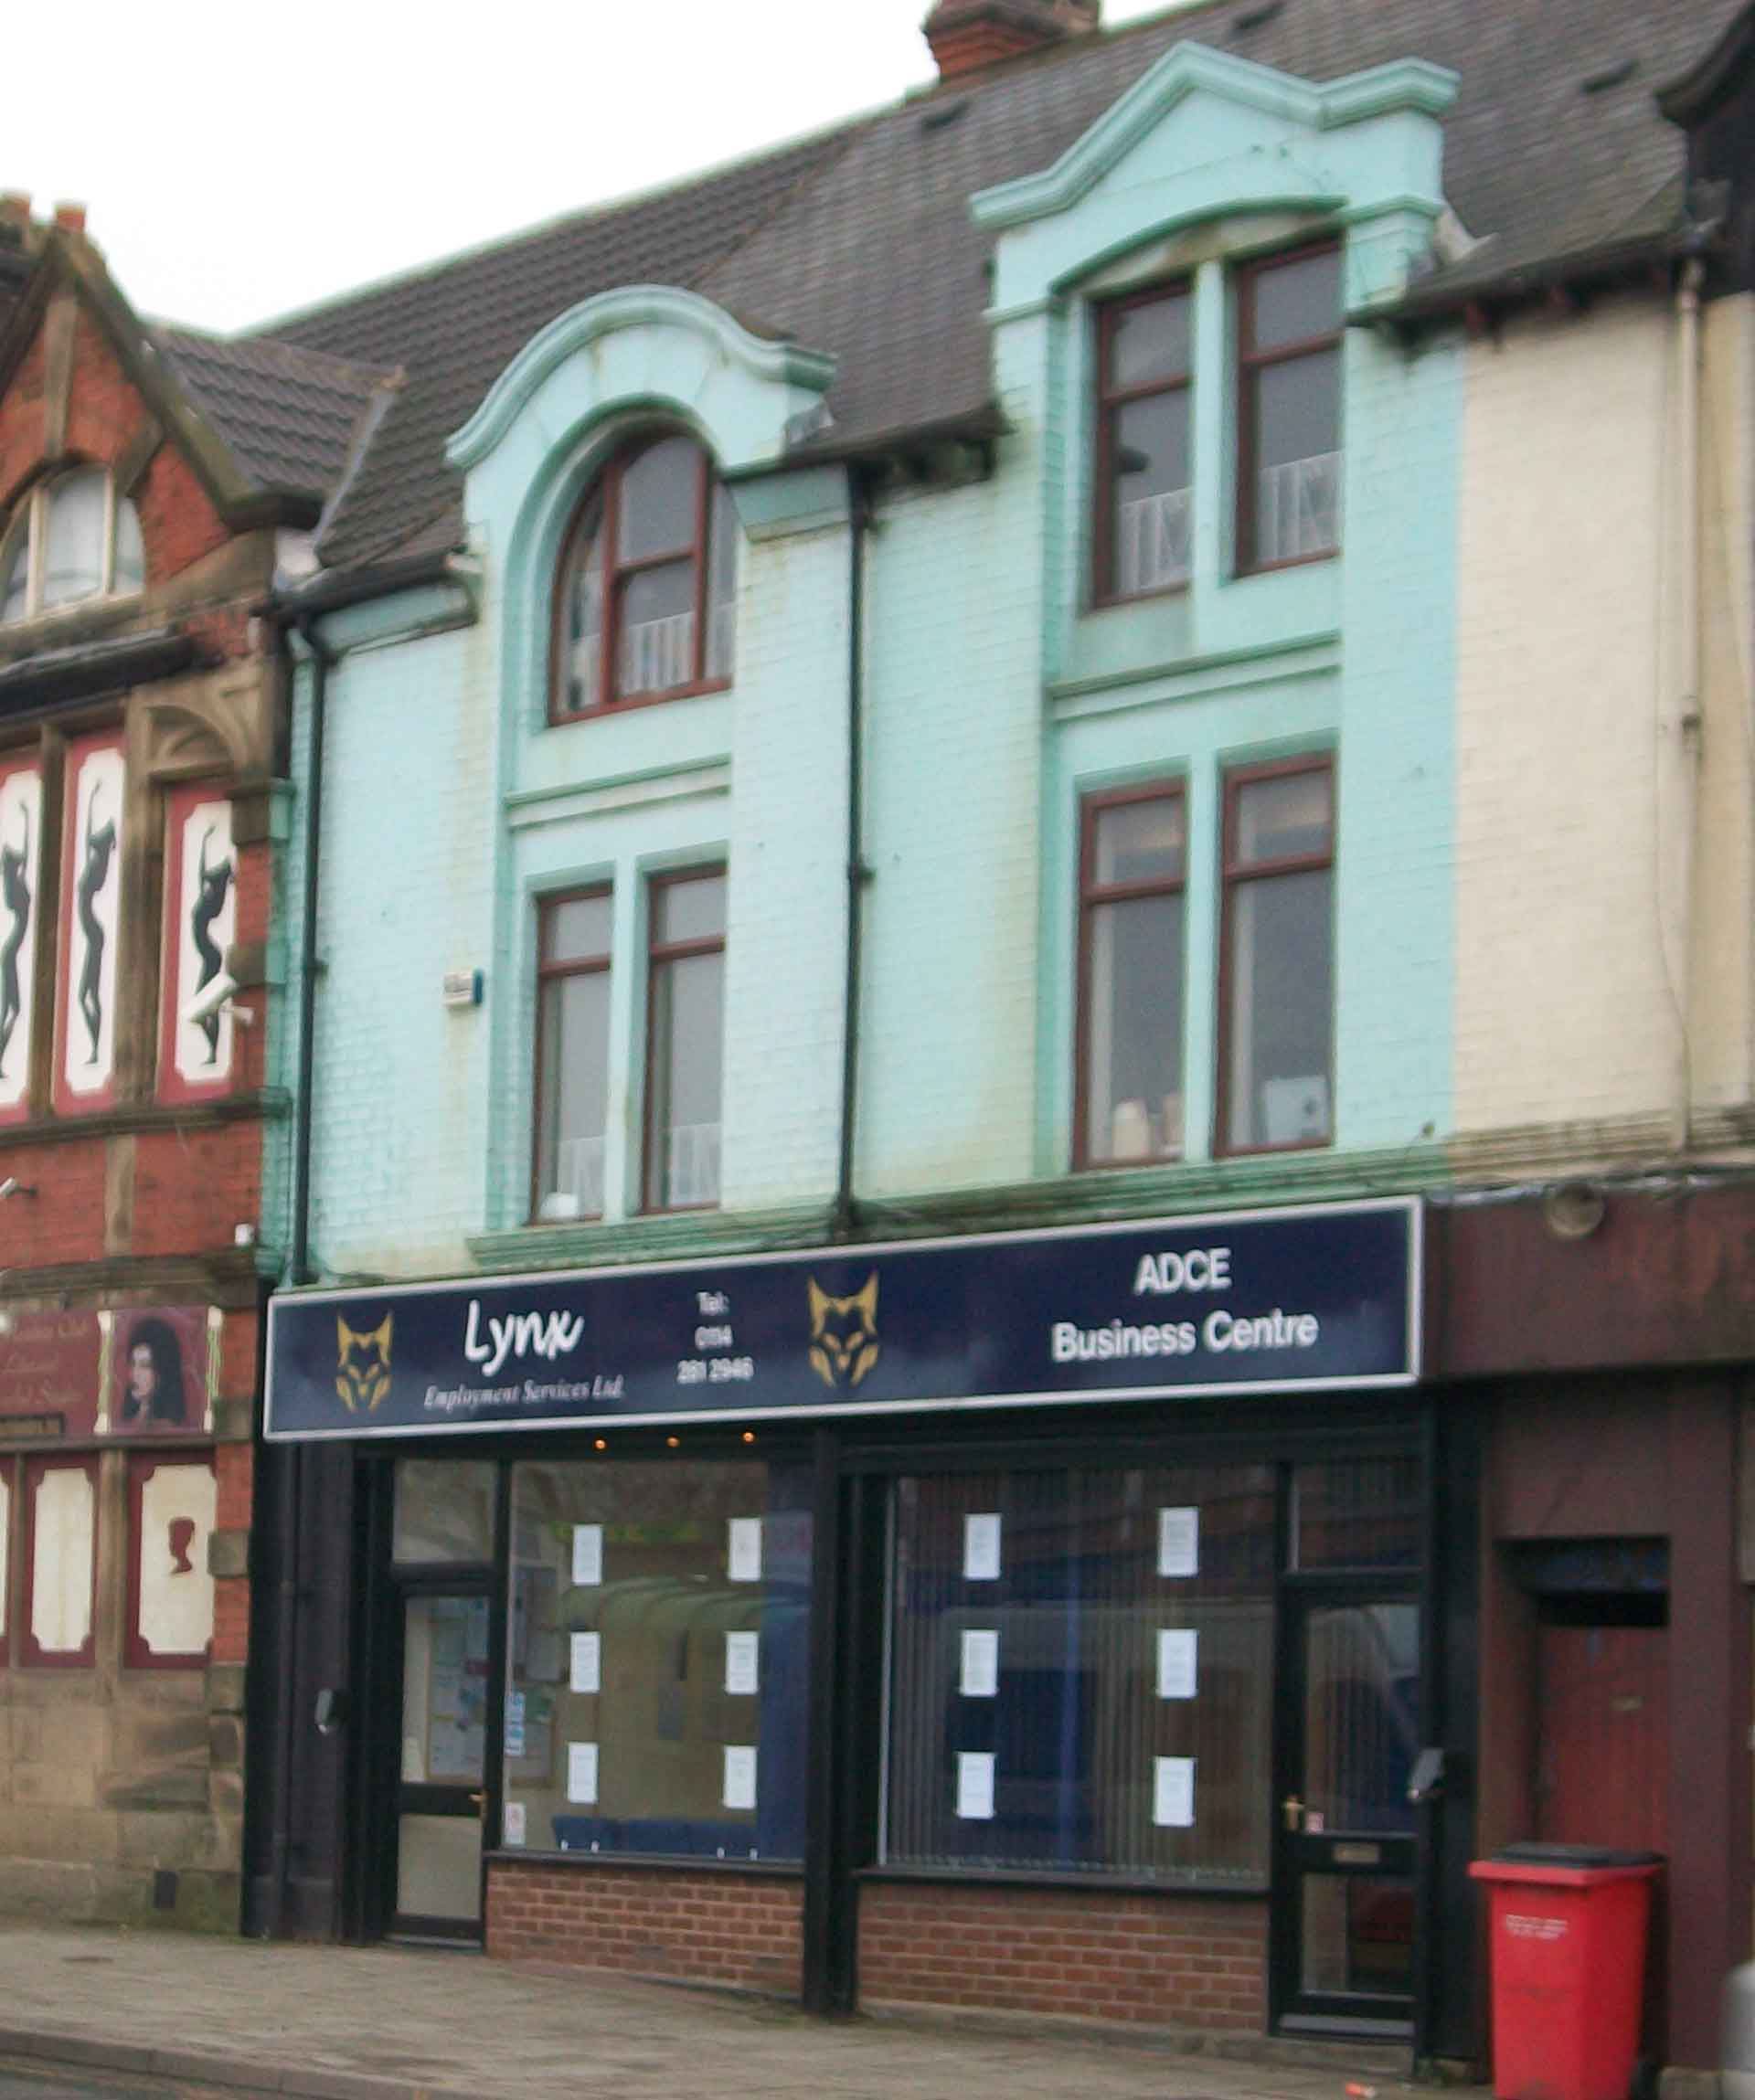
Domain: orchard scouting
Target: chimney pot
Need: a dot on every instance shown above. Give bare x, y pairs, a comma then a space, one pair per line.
70, 217
967, 36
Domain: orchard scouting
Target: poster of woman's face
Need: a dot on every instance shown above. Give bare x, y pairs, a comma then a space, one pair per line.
158, 1372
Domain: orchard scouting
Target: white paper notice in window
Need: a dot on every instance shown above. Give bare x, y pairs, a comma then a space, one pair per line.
980, 1547
1177, 1661
741, 1650
588, 1556
739, 1790
587, 1672
581, 1772
743, 1550
980, 1678
1178, 1541
1173, 1793
513, 1829
975, 1785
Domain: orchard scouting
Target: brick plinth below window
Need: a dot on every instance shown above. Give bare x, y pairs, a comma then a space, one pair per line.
695, 1928
1162, 1961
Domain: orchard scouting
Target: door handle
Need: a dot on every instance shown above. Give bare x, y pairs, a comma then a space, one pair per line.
1293, 1809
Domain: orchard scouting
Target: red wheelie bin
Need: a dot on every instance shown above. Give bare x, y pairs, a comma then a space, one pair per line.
1567, 1930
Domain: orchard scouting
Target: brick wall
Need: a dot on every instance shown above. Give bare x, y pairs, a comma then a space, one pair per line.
697, 1926
109, 1774
1157, 1960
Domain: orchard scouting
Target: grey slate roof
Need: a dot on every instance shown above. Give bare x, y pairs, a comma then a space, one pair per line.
860, 242
291, 417
455, 327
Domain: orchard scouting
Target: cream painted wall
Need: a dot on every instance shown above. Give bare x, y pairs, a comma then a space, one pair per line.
1723, 1048
1573, 768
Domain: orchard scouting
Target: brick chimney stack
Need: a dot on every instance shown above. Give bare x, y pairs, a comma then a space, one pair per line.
967, 36
70, 219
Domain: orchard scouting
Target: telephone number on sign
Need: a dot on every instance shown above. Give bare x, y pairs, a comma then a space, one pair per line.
714, 1370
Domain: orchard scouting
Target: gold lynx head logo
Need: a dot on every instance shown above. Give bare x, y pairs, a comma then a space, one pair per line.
363, 1365
843, 1333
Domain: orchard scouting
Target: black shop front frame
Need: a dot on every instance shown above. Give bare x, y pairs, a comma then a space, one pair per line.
1040, 1726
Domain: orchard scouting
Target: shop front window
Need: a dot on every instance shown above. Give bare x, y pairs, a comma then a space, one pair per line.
1081, 1673
657, 1654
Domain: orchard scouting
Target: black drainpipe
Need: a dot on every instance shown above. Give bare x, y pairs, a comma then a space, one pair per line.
292, 1483
844, 1218
321, 662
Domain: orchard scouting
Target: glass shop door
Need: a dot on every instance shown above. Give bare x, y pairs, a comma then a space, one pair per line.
440, 1795
1344, 1896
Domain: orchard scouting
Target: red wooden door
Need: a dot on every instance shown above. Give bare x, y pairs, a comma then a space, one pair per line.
1602, 1766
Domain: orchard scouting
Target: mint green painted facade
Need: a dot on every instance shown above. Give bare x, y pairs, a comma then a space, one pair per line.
993, 699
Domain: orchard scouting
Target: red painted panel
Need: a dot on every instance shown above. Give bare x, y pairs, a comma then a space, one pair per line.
1602, 1743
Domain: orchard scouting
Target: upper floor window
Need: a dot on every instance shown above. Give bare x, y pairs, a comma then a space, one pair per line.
1143, 539
684, 1039
646, 593
1289, 409
1133, 865
1277, 959
572, 1055
72, 538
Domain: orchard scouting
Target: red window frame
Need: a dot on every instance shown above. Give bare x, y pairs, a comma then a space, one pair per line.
659, 954
616, 575
136, 1653
1110, 401
547, 974
1235, 875
1092, 896
31, 1474
1250, 364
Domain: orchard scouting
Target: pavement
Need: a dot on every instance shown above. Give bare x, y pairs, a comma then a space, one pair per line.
90, 2007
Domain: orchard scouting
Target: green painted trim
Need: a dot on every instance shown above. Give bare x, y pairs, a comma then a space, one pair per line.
1073, 1199
1185, 70
776, 361
1267, 663
282, 797
1387, 206
567, 798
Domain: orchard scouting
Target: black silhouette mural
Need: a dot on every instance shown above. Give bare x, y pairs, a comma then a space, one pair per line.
14, 899
98, 851
212, 886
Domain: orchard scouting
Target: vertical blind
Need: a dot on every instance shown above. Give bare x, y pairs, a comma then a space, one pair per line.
1067, 1609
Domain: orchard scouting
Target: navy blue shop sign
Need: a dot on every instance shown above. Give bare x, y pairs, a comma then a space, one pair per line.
1273, 1300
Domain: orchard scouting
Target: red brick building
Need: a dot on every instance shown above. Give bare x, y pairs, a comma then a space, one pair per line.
149, 482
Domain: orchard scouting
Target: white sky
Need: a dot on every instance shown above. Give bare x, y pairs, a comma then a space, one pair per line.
240, 160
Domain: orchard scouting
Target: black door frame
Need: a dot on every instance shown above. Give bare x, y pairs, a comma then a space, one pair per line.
1366, 1855
377, 1698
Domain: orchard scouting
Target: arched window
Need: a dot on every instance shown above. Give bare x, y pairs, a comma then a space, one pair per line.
72, 538
645, 599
